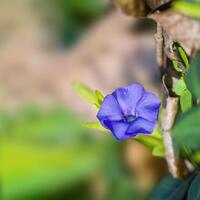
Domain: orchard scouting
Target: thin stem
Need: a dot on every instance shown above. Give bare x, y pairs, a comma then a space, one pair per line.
168, 117
159, 44
170, 104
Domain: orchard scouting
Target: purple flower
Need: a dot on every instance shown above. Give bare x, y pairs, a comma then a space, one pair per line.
129, 111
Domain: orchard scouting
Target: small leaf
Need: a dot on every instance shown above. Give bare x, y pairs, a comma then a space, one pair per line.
193, 77
181, 90
186, 100
179, 87
85, 91
99, 96
154, 144
95, 125
94, 97
176, 67
184, 57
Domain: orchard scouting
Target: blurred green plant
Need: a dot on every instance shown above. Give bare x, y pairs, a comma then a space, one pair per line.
45, 152
188, 7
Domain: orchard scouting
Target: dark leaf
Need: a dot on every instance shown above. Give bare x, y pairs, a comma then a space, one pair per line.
194, 190
172, 189
187, 129
193, 77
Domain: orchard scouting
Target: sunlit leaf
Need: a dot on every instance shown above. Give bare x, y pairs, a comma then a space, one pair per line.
184, 57
153, 142
186, 100
94, 125
99, 96
93, 97
180, 87
189, 8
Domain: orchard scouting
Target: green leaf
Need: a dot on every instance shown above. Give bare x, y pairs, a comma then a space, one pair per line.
94, 97
188, 8
176, 67
99, 96
187, 129
181, 90
179, 87
184, 57
158, 151
184, 65
85, 91
94, 125
172, 189
194, 190
193, 77
153, 143
186, 100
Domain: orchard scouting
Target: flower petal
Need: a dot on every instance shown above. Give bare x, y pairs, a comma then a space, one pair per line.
148, 107
128, 97
109, 110
118, 129
140, 125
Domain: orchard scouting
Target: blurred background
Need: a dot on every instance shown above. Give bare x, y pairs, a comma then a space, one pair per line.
45, 152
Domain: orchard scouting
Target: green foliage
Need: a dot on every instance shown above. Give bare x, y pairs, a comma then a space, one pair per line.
194, 190
183, 57
180, 87
99, 96
43, 151
186, 101
172, 189
181, 90
187, 129
191, 8
153, 143
95, 125
94, 97
193, 77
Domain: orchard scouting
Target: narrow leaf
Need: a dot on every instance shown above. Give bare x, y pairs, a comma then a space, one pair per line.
193, 77
99, 97
85, 91
95, 125
184, 57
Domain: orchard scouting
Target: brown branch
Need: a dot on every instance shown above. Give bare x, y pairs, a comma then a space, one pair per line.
164, 45
159, 44
170, 107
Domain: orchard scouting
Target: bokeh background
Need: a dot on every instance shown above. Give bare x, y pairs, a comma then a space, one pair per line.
46, 153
